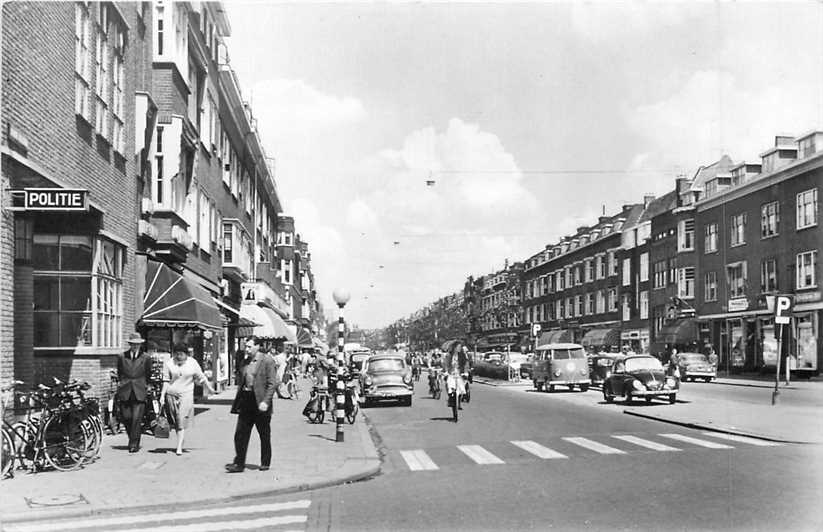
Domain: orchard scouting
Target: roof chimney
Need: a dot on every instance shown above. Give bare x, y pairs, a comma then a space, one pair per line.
603, 219
583, 228
627, 207
647, 199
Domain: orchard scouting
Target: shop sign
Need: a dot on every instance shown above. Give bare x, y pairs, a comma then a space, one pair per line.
806, 297
55, 199
630, 335
739, 304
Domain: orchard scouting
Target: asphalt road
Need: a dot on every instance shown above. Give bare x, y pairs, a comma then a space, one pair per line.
524, 460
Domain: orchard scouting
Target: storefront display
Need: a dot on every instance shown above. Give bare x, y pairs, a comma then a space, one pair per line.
806, 333
737, 343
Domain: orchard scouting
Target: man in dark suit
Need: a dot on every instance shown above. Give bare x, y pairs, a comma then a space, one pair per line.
256, 382
133, 371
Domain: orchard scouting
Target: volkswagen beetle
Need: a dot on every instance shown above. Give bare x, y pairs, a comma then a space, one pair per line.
640, 376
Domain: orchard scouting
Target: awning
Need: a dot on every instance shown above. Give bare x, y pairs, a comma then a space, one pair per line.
271, 326
172, 301
557, 336
243, 328
304, 338
599, 337
682, 331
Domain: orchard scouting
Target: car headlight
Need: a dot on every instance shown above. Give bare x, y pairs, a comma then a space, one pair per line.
407, 379
638, 385
584, 372
367, 381
557, 373
671, 382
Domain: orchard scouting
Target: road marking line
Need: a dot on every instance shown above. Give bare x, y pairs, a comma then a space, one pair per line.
645, 443
479, 454
251, 524
695, 441
418, 460
538, 450
594, 446
742, 439
149, 518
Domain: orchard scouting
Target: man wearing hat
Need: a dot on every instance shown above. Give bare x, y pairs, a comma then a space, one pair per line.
133, 371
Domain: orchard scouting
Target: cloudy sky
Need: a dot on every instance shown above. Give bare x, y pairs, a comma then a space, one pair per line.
529, 118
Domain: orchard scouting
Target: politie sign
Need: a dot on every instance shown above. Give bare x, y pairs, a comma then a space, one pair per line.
55, 199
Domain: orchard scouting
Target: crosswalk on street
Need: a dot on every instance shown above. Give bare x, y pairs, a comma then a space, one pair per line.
574, 446
283, 517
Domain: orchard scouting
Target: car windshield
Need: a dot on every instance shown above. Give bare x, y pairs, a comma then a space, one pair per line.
640, 363
605, 362
386, 364
565, 354
494, 358
695, 358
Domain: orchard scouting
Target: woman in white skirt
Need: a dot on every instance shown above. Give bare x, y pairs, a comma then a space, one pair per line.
179, 375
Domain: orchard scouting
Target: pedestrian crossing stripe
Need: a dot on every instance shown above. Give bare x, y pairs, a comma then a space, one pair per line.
742, 439
696, 441
594, 446
418, 460
479, 454
250, 524
108, 522
538, 450
645, 443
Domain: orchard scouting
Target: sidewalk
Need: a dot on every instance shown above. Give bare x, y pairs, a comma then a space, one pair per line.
305, 456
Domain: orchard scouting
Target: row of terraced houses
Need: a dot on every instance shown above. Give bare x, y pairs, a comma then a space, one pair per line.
692, 270
136, 194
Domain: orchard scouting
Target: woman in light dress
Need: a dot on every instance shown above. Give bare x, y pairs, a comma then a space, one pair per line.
179, 375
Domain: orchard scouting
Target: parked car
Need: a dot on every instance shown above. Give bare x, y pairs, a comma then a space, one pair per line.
386, 377
560, 364
695, 366
527, 367
640, 376
600, 366
491, 364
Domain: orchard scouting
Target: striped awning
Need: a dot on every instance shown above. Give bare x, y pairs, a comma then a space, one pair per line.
601, 337
304, 338
270, 325
173, 301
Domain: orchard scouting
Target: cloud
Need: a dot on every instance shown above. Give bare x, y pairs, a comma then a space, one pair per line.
360, 216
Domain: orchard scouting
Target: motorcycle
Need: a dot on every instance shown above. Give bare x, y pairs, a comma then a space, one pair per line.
455, 390
318, 403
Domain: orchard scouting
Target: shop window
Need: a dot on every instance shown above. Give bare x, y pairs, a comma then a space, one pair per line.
806, 332
806, 266
77, 291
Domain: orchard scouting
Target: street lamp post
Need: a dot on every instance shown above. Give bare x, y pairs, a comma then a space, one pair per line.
341, 297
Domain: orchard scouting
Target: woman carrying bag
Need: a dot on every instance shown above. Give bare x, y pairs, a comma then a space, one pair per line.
180, 374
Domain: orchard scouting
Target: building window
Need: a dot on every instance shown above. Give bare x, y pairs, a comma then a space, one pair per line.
589, 269
204, 227
710, 238
77, 291
599, 267
644, 305
736, 274
578, 305
590, 303
807, 147
769, 218
160, 30
612, 299
627, 272
685, 235
685, 283
660, 274
644, 267
671, 264
627, 310
101, 88
577, 278
82, 61
807, 209
738, 229
612, 264
710, 286
569, 307
118, 131
806, 266
768, 275
228, 239
559, 308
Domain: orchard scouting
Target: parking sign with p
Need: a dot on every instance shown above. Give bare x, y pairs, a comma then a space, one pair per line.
782, 309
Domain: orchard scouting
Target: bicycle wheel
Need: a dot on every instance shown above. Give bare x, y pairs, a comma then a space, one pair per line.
92, 439
455, 403
64, 442
7, 463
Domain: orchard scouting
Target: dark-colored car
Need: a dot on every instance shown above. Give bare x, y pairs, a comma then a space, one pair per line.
600, 366
386, 377
640, 376
527, 367
491, 364
695, 366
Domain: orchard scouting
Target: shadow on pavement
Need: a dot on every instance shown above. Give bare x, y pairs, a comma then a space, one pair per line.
322, 437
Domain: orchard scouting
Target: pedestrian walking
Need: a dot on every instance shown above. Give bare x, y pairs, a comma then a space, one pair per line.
133, 373
253, 405
179, 375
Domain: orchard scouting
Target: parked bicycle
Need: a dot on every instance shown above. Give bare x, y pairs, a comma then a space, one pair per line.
150, 415
318, 403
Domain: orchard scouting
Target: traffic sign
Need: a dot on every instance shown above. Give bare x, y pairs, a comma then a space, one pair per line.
536, 329
782, 309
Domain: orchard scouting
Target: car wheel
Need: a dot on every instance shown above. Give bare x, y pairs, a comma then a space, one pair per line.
407, 401
629, 398
584, 387
550, 388
571, 387
538, 386
672, 398
648, 398
607, 394
708, 379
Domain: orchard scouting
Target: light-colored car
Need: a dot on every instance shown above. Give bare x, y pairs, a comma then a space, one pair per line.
695, 366
560, 364
386, 377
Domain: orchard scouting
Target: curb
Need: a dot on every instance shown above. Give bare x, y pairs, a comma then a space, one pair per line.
718, 428
370, 468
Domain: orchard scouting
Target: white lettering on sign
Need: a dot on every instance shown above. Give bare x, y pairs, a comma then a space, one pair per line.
782, 309
55, 199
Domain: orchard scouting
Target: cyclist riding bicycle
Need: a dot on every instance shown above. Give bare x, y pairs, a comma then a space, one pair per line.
456, 364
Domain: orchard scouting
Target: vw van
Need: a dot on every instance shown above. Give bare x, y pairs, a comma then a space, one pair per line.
560, 364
